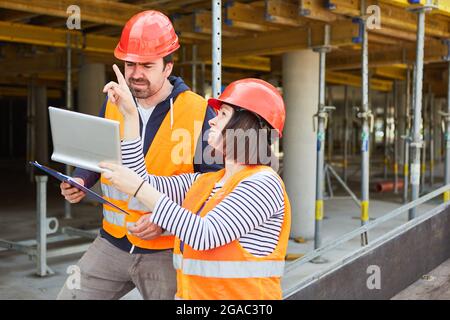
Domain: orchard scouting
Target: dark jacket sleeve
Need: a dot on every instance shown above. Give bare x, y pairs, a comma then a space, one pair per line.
89, 177
199, 162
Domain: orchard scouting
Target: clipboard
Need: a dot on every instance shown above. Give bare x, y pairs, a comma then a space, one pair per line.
73, 183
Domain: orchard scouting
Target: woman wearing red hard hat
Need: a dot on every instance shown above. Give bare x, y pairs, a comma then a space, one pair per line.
130, 252
231, 226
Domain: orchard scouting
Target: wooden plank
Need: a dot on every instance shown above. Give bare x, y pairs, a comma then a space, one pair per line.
23, 33
442, 6
355, 81
283, 41
23, 92
392, 16
100, 11
246, 16
284, 13
435, 51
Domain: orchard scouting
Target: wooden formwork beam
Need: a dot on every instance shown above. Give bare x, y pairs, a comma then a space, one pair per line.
99, 11
355, 81
392, 15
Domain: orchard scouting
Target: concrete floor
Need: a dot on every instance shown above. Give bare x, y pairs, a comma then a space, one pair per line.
432, 286
18, 279
17, 222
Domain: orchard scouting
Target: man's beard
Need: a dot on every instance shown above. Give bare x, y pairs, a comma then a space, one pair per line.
140, 93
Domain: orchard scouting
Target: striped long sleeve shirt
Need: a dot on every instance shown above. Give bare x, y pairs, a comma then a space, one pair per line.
252, 213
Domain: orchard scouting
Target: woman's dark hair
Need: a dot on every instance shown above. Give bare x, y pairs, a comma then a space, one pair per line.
247, 138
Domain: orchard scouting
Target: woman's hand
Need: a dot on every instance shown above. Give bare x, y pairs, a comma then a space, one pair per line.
119, 93
145, 229
122, 178
128, 181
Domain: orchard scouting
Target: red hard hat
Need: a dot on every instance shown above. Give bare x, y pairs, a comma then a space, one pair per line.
257, 96
147, 36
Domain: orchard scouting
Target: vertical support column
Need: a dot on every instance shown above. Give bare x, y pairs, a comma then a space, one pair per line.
438, 131
216, 48
346, 135
431, 135
386, 135
91, 80
31, 127
67, 206
395, 120
416, 143
407, 137
329, 101
11, 129
41, 228
203, 79
366, 116
354, 131
447, 139
425, 126
401, 121
40, 102
300, 87
371, 98
194, 68
321, 127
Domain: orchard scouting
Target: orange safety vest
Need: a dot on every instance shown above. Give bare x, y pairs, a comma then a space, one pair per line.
228, 272
171, 153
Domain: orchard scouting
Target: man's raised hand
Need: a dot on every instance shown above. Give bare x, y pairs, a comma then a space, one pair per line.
119, 93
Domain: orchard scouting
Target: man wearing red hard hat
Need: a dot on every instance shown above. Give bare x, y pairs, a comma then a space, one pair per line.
130, 250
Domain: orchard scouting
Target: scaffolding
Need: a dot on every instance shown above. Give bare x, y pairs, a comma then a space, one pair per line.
248, 36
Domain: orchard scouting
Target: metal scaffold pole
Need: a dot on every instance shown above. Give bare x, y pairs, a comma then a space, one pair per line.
396, 118
322, 115
416, 143
431, 135
447, 139
216, 47
31, 125
386, 135
329, 129
346, 134
367, 119
353, 130
372, 97
424, 141
406, 138
67, 206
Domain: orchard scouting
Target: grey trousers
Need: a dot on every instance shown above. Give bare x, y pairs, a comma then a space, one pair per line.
108, 273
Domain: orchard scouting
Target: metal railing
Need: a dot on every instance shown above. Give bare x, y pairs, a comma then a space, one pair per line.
36, 249
365, 228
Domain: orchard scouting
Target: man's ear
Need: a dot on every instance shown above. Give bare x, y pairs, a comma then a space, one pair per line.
168, 69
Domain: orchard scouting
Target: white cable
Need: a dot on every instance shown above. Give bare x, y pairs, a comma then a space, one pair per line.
171, 113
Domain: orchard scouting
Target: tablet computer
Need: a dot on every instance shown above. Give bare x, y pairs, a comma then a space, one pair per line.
83, 140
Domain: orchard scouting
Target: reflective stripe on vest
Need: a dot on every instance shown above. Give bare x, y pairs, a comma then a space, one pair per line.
228, 269
112, 193
115, 218
177, 260
135, 204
